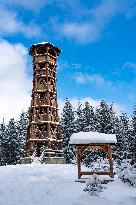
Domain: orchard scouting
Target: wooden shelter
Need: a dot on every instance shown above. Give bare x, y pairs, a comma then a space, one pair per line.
44, 128
90, 141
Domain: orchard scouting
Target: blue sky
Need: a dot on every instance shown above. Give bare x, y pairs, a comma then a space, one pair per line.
98, 42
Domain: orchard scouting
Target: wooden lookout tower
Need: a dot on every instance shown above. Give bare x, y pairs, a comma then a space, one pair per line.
43, 133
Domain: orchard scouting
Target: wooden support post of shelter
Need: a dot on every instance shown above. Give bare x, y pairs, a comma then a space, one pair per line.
90, 141
79, 162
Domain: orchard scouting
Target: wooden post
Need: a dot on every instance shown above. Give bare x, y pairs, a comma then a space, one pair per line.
110, 161
79, 162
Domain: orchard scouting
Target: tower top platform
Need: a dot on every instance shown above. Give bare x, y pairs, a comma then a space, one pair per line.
44, 45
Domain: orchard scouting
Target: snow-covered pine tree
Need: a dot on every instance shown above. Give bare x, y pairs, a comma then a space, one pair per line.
22, 131
127, 149
127, 172
94, 185
105, 122
79, 124
105, 117
2, 144
116, 131
133, 138
68, 127
123, 135
88, 120
11, 147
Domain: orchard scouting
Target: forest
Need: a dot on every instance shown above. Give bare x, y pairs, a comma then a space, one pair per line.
85, 118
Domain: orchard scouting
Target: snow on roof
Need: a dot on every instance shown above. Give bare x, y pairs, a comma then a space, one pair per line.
92, 138
43, 43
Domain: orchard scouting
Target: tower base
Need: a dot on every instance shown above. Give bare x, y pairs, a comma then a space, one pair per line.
26, 160
44, 160
55, 160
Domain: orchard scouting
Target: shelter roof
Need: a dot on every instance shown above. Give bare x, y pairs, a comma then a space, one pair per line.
86, 138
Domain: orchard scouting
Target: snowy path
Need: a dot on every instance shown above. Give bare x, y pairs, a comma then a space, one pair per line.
38, 184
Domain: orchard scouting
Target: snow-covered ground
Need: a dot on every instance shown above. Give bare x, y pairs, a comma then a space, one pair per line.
38, 184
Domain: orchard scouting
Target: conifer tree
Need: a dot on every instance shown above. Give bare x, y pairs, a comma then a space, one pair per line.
67, 122
88, 123
22, 124
88, 119
2, 144
11, 147
133, 138
105, 117
123, 135
79, 125
94, 186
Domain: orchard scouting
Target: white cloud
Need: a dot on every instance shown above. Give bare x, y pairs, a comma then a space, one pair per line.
97, 19
67, 65
129, 65
94, 78
95, 103
90, 30
99, 82
81, 32
15, 85
33, 5
63, 65
97, 79
10, 24
84, 24
80, 78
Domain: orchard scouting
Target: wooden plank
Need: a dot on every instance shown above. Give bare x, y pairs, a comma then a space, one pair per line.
82, 149
110, 161
93, 147
104, 181
91, 173
80, 180
100, 147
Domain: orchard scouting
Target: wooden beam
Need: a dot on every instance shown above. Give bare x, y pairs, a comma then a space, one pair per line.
104, 181
93, 147
79, 162
110, 161
91, 173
